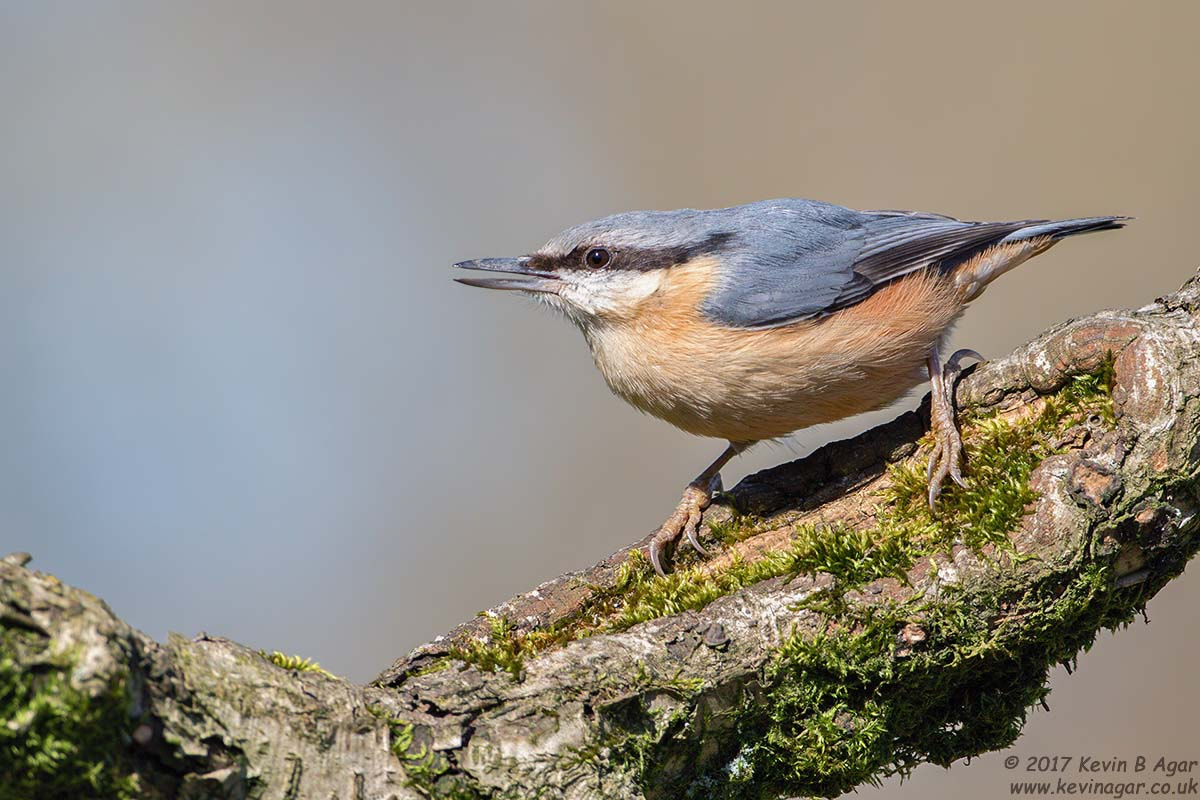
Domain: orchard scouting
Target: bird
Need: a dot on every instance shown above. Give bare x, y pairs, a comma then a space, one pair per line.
752, 322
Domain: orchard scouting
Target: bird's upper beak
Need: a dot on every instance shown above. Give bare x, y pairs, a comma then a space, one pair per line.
517, 275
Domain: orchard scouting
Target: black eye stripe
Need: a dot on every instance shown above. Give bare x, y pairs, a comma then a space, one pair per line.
632, 259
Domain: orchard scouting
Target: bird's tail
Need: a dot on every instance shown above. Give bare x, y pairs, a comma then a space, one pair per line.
1065, 227
1032, 238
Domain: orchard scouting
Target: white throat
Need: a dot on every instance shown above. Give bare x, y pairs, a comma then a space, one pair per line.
592, 298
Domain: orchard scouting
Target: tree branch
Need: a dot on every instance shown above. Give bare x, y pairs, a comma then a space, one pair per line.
843, 632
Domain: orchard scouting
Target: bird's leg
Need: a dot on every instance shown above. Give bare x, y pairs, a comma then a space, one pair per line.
946, 458
686, 517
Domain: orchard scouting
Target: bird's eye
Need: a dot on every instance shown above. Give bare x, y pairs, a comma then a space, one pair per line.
597, 257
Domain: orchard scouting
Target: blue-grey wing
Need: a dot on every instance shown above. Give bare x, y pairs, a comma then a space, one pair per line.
793, 260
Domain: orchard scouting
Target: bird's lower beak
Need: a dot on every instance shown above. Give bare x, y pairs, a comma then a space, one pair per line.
517, 275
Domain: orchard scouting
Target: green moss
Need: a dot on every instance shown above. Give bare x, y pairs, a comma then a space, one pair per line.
640, 595
437, 665
852, 556
855, 704
1000, 454
422, 765
736, 527
427, 770
503, 651
295, 663
57, 741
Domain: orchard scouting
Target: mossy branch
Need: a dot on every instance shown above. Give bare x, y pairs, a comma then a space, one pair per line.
841, 633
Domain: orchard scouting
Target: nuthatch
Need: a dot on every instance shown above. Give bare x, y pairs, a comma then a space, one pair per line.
752, 322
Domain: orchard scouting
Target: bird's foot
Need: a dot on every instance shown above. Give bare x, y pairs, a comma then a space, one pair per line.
946, 459
684, 520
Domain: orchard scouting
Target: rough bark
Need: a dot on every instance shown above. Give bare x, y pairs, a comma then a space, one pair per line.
663, 708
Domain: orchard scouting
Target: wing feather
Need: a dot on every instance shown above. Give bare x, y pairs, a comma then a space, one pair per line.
800, 260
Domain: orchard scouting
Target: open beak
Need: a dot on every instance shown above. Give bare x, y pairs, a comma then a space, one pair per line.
517, 275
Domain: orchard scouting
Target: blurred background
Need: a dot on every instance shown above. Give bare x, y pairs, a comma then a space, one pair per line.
242, 394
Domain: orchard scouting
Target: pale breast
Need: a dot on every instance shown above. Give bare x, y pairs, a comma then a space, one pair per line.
749, 385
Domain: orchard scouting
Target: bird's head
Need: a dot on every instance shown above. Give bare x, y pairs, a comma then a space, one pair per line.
604, 271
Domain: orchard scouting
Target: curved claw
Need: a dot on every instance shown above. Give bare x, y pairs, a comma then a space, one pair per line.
655, 552
952, 363
956, 471
693, 533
